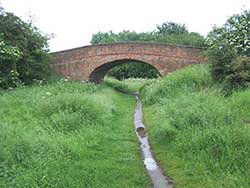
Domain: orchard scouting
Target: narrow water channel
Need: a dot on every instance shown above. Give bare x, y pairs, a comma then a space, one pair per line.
159, 180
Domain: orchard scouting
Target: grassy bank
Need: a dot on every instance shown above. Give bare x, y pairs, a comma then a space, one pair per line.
200, 137
68, 135
131, 85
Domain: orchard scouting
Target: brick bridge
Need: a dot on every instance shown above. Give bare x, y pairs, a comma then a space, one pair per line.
93, 62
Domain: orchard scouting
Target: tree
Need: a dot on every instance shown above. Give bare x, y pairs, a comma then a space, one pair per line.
229, 51
109, 37
169, 28
22, 38
235, 33
171, 33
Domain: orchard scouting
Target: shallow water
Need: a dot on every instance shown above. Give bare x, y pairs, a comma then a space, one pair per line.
159, 180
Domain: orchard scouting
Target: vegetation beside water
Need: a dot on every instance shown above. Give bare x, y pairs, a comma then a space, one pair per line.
131, 85
68, 134
200, 137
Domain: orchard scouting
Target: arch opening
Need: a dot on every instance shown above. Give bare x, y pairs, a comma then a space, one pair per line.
100, 72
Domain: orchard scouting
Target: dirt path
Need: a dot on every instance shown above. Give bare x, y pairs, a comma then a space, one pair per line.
159, 180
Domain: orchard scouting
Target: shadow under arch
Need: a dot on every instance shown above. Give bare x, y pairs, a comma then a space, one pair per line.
99, 73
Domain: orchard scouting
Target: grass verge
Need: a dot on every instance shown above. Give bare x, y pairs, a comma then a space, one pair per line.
131, 85
200, 137
68, 134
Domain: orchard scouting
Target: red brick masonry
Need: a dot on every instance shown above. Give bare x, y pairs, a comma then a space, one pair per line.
93, 62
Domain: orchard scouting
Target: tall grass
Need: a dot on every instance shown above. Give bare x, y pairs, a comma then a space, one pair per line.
200, 137
131, 85
182, 81
68, 134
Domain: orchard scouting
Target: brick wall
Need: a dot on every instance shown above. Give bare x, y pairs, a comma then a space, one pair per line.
93, 62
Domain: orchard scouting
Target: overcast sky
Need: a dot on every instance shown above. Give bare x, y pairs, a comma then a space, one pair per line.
73, 22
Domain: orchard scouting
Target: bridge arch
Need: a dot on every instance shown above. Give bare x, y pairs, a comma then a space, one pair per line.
92, 62
99, 72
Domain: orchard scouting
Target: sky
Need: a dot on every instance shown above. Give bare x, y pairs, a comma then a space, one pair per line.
74, 22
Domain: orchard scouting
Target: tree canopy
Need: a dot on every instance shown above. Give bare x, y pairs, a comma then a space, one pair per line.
169, 28
229, 51
168, 32
23, 51
234, 33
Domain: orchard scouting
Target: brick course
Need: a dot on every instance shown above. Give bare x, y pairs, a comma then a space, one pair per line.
93, 62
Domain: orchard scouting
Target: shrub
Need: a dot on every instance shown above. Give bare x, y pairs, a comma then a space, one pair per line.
8, 59
23, 51
228, 67
221, 59
235, 33
229, 52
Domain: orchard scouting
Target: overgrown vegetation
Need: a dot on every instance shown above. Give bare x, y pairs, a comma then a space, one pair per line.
200, 137
184, 80
229, 52
23, 52
130, 85
68, 134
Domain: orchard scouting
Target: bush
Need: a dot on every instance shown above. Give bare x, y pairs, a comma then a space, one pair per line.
23, 52
8, 59
235, 33
228, 67
229, 52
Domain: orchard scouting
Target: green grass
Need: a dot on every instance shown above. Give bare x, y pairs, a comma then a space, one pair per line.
200, 137
131, 85
68, 135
